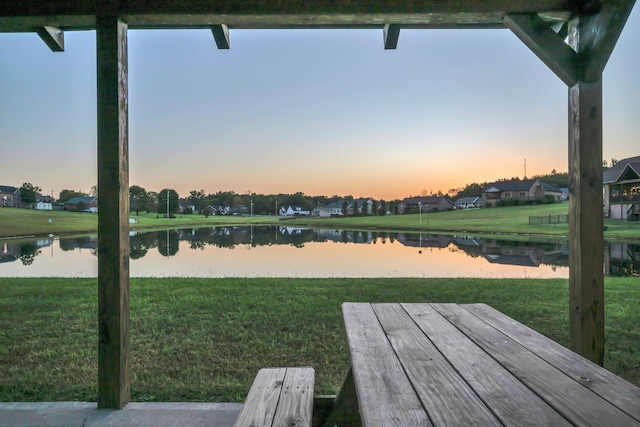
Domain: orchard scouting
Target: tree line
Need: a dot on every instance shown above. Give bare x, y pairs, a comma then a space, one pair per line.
167, 199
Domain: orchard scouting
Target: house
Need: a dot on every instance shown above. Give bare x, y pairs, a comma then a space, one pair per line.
557, 193
468, 202
621, 190
294, 211
82, 203
332, 209
360, 206
9, 196
515, 189
43, 203
425, 204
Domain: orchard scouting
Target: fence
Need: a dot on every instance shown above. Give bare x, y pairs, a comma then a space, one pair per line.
549, 219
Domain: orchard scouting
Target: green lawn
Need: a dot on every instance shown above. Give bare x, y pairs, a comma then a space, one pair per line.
205, 339
505, 220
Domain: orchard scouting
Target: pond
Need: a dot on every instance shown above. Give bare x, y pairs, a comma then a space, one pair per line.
268, 251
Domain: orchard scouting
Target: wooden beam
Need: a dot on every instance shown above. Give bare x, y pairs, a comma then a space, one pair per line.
53, 37
113, 213
391, 33
546, 45
600, 35
221, 36
27, 15
586, 222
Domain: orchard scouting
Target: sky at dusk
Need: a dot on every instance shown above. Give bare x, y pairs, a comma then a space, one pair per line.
323, 112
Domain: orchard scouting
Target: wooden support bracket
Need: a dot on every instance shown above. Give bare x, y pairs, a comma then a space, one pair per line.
547, 45
221, 36
600, 35
391, 34
53, 37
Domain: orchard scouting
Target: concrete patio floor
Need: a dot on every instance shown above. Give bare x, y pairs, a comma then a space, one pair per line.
148, 414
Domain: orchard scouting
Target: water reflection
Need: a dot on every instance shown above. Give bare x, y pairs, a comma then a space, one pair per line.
308, 252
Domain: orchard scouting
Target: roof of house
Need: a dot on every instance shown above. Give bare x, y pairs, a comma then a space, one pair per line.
550, 188
87, 199
8, 189
616, 172
471, 199
512, 185
425, 200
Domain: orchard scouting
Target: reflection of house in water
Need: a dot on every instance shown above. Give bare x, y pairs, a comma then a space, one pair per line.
9, 253
622, 259
84, 242
524, 254
332, 235
439, 241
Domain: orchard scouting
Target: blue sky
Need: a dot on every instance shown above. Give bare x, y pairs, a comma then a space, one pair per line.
318, 111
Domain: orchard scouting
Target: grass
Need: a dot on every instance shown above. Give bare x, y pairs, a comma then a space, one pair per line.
505, 220
205, 339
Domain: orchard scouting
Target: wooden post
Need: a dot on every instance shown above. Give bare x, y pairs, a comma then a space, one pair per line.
586, 222
113, 213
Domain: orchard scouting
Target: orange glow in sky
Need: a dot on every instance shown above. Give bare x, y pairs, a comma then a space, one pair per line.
324, 112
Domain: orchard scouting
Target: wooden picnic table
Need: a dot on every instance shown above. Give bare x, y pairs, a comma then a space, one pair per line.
469, 364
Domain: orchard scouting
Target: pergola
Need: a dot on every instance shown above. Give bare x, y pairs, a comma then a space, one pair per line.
574, 38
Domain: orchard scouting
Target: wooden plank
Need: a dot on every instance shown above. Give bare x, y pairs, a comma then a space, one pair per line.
385, 395
510, 400
570, 398
53, 37
586, 222
546, 45
600, 34
610, 387
445, 395
113, 213
390, 35
26, 15
221, 36
295, 407
262, 400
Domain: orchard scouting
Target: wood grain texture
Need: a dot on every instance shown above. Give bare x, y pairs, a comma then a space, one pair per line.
295, 407
512, 402
262, 401
600, 34
570, 398
113, 213
53, 37
538, 36
445, 395
586, 222
27, 15
607, 385
279, 397
385, 396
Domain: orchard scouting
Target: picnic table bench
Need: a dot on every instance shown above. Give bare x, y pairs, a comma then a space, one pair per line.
279, 397
469, 364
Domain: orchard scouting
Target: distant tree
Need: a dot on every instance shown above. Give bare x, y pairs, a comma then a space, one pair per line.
29, 193
139, 199
345, 208
197, 199
66, 195
94, 191
174, 205
81, 206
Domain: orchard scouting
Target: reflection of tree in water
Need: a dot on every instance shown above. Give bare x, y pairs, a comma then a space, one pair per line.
28, 252
168, 242
140, 244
